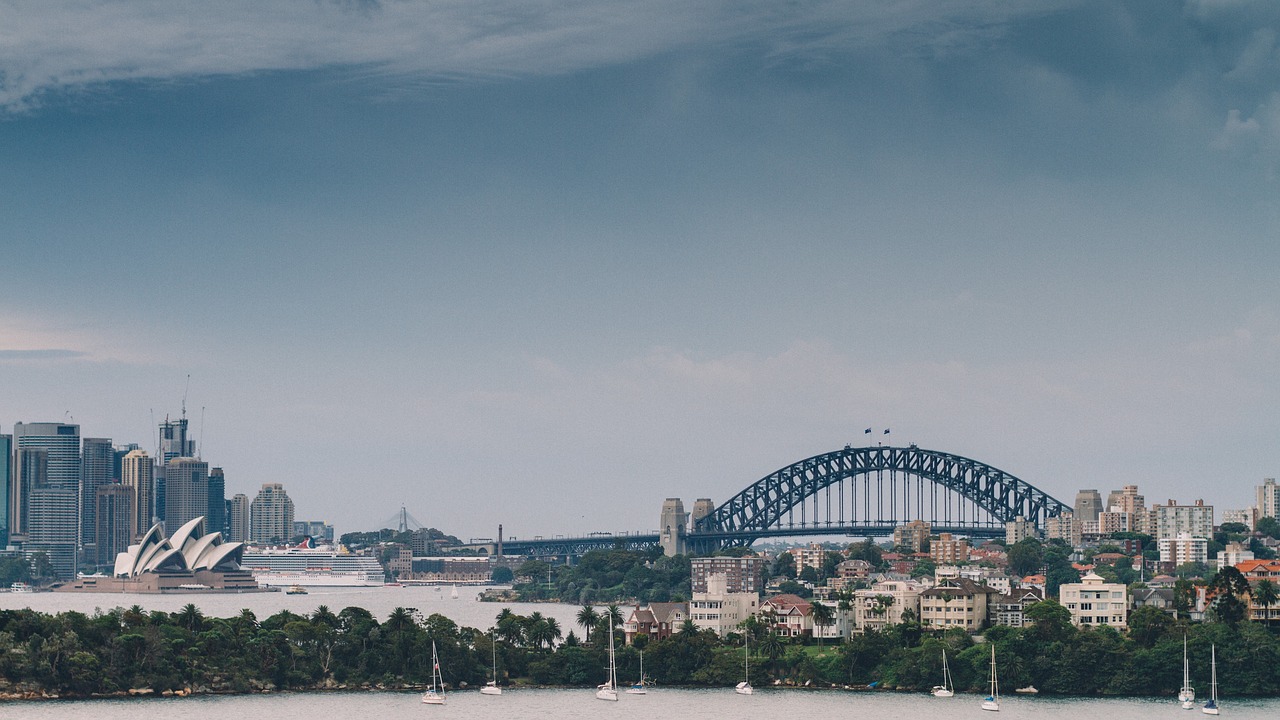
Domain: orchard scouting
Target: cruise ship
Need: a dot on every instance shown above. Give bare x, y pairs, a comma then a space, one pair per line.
310, 566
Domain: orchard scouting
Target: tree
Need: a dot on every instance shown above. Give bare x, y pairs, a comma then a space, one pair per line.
823, 616
785, 565
809, 574
588, 618
1227, 588
1052, 621
1026, 556
1148, 624
1270, 527
502, 575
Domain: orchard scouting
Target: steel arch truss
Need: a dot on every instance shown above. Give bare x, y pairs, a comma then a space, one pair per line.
770, 502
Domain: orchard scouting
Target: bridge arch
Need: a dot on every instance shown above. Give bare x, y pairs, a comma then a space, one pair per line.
877, 488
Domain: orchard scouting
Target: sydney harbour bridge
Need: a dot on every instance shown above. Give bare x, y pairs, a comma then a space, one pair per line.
852, 492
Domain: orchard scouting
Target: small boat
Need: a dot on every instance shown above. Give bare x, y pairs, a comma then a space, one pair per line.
946, 689
1028, 690
992, 701
296, 590
1211, 707
638, 687
609, 689
1187, 695
435, 693
491, 687
20, 587
744, 687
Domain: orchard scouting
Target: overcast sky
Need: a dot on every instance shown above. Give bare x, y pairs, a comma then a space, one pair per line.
548, 262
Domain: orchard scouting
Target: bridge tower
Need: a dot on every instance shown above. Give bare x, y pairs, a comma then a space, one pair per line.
673, 526
702, 508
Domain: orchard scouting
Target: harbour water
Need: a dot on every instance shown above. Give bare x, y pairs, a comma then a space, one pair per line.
719, 704
465, 610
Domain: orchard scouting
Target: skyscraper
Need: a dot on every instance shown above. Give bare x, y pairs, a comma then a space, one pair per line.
174, 442
6, 479
116, 519
62, 469
216, 516
186, 482
238, 518
53, 527
138, 472
1088, 505
97, 458
271, 515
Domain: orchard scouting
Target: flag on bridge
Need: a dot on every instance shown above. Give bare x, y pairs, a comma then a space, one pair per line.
886, 431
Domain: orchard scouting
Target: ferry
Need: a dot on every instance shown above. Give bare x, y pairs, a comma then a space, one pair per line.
296, 590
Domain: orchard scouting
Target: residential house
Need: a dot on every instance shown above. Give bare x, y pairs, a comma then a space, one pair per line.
1161, 598
1008, 608
790, 615
658, 621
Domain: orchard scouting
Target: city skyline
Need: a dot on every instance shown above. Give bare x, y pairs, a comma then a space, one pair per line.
546, 265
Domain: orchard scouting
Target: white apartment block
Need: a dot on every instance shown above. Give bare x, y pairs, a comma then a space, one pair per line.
1094, 601
720, 610
1247, 517
1233, 555
884, 603
1269, 499
1173, 519
1184, 548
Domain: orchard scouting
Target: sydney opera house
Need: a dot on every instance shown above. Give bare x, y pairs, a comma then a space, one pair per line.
189, 560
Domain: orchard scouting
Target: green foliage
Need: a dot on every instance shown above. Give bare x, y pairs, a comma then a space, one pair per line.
1026, 557
1270, 527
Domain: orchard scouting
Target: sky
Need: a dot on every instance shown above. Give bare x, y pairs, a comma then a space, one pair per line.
546, 263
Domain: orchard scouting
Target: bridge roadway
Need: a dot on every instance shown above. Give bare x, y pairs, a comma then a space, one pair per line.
702, 542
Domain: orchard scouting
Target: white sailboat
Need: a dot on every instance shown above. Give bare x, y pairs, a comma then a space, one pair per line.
1211, 707
992, 701
454, 593
435, 693
744, 687
946, 689
1187, 695
491, 687
638, 687
609, 690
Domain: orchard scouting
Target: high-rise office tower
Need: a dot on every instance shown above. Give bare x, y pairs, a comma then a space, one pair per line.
61, 443
216, 515
186, 483
53, 526
6, 479
238, 518
1268, 499
271, 515
31, 469
174, 442
96, 460
116, 521
138, 472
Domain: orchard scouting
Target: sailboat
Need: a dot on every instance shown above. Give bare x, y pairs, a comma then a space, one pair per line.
946, 689
454, 594
1211, 707
609, 690
992, 701
435, 693
1187, 695
744, 687
638, 687
491, 687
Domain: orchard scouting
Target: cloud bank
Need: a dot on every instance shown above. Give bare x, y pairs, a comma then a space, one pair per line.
80, 45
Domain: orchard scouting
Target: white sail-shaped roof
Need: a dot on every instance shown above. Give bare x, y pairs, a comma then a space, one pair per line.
189, 549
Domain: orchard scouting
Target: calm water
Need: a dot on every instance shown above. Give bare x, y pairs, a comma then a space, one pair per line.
464, 610
573, 704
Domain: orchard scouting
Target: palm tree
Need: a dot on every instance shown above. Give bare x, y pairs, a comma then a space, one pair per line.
553, 631
190, 617
823, 616
615, 614
688, 628
1264, 596
772, 646
587, 618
